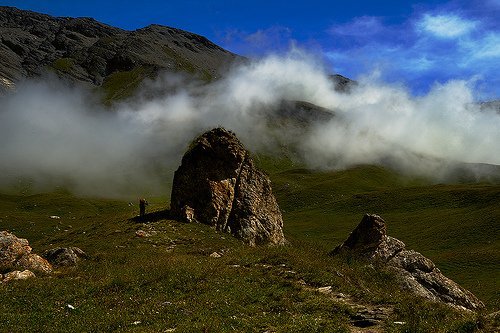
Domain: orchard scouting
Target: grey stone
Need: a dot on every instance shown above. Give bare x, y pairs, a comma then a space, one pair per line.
64, 256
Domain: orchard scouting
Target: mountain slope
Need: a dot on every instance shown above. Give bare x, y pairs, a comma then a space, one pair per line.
84, 50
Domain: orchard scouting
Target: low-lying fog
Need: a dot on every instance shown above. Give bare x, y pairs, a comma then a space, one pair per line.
55, 135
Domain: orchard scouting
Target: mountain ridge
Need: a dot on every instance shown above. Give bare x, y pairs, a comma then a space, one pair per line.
90, 52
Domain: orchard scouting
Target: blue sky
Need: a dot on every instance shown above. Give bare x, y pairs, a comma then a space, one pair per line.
413, 43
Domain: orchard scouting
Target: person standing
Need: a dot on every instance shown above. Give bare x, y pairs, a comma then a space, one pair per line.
142, 206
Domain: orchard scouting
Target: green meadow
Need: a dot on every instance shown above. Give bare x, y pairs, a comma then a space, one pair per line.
168, 282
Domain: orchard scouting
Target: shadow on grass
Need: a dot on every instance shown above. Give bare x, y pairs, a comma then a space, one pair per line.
153, 216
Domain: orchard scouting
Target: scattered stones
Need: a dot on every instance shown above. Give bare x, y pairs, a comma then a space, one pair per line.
64, 256
218, 184
370, 316
15, 253
417, 273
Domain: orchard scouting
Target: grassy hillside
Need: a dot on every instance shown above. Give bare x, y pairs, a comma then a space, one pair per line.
456, 225
169, 282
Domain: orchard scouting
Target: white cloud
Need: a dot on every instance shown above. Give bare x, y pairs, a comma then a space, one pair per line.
446, 26
487, 47
54, 135
428, 47
359, 26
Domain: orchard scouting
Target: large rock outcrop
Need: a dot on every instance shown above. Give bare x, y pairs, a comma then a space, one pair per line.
219, 185
15, 254
417, 273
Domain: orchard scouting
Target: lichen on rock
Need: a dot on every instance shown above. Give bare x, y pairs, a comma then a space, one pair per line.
15, 254
218, 184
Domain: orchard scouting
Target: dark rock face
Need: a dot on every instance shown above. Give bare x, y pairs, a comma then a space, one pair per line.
300, 112
217, 184
84, 50
64, 256
15, 254
417, 273
342, 84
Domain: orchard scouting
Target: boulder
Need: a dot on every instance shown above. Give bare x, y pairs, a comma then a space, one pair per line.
35, 263
64, 256
218, 184
16, 253
11, 250
417, 273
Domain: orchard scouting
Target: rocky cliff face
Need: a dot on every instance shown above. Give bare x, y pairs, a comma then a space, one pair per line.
84, 50
219, 185
417, 273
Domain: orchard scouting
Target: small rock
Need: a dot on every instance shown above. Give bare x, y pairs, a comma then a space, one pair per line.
137, 322
142, 234
325, 290
18, 275
340, 296
400, 322
55, 217
215, 255
187, 214
71, 307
